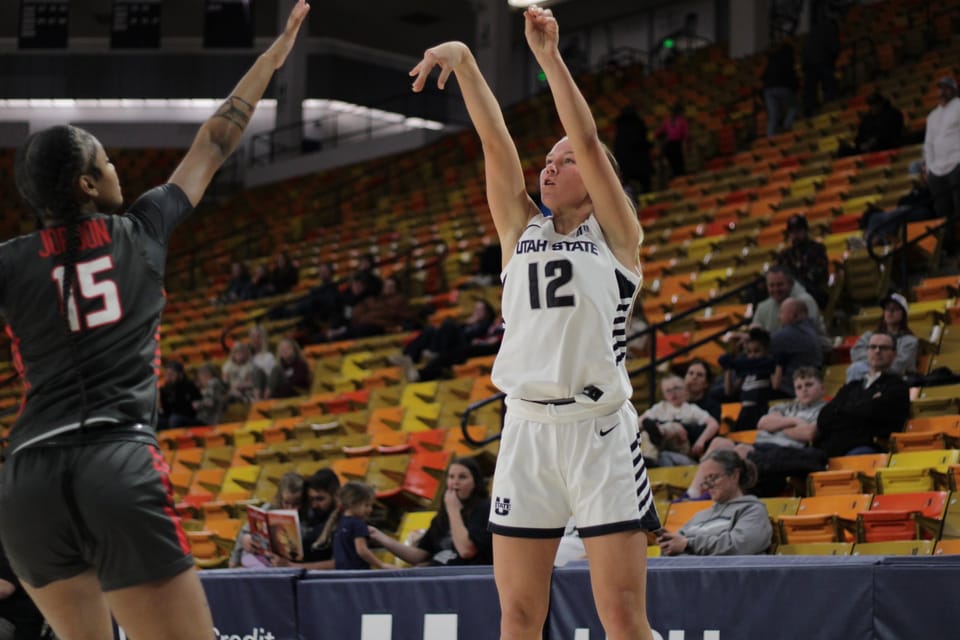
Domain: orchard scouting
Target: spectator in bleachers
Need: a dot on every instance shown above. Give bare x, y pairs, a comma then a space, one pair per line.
780, 286
780, 86
351, 549
866, 411
672, 424
284, 275
366, 269
458, 534
697, 379
488, 265
806, 259
260, 284
19, 617
289, 495
893, 321
915, 206
631, 148
245, 381
290, 376
796, 344
821, 46
323, 305
213, 395
317, 528
177, 396
376, 315
441, 364
238, 287
752, 377
260, 348
451, 334
782, 447
358, 290
736, 524
941, 149
674, 135
880, 128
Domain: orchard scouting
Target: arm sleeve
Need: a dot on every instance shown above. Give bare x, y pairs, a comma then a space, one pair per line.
749, 533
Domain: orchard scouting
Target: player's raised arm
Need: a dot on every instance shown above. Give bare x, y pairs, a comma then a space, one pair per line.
219, 136
510, 205
613, 212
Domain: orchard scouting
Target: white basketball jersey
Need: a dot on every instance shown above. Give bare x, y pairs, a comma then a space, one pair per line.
566, 307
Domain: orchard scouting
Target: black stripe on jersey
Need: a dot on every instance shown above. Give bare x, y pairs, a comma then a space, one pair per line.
620, 320
619, 345
619, 332
623, 307
625, 287
620, 357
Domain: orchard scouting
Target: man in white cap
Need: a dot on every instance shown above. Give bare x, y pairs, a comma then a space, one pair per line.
941, 149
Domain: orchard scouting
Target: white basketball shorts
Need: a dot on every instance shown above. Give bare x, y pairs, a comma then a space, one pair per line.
557, 460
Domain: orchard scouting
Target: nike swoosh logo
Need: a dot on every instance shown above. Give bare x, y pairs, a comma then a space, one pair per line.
603, 433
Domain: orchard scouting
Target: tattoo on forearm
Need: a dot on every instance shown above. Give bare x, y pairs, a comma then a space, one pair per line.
233, 110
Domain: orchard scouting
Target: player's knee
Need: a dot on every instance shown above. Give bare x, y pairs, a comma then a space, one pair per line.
622, 613
522, 615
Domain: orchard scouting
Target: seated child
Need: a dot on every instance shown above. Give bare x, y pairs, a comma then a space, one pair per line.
673, 424
757, 376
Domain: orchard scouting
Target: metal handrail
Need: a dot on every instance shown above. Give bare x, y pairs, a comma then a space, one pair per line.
477, 405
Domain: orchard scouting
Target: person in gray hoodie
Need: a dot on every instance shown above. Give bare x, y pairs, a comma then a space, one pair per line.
736, 524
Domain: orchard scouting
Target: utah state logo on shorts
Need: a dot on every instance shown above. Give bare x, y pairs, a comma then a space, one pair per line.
501, 506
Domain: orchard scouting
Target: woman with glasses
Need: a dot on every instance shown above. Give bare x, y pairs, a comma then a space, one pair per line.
736, 524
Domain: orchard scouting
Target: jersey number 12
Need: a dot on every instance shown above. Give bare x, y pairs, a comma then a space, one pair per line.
556, 274
90, 289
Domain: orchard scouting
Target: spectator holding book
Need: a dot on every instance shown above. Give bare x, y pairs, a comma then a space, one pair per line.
289, 495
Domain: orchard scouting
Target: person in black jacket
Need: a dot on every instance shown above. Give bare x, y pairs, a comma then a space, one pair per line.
865, 411
880, 128
780, 90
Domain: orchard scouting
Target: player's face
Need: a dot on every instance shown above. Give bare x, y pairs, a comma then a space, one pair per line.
460, 480
109, 196
560, 182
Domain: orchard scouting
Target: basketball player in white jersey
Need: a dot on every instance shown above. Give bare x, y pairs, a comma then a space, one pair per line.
570, 443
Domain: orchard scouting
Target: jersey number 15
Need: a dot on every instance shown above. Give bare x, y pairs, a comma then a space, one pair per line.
556, 274
91, 289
